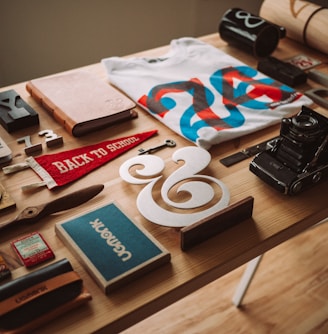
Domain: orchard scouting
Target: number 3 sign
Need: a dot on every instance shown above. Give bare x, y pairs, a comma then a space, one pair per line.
201, 192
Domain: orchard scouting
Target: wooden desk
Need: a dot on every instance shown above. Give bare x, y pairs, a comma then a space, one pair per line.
276, 217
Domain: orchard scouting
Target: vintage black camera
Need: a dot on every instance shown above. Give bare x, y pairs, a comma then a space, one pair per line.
299, 157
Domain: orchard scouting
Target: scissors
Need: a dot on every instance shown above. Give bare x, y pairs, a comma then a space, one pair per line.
33, 214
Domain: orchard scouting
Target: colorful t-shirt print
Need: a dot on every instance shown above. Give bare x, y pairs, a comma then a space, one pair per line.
202, 93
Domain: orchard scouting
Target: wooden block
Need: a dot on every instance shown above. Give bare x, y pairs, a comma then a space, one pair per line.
216, 223
112, 248
6, 202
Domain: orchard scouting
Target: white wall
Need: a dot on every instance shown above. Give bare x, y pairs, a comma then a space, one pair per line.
40, 37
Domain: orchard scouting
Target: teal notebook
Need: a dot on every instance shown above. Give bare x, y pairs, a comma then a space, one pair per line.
112, 248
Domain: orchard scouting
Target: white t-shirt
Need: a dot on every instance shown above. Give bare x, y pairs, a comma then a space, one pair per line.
202, 93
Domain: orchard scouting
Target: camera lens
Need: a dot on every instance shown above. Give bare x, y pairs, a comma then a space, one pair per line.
305, 122
302, 128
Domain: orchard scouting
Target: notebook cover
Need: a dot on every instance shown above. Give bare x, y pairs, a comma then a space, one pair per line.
80, 101
112, 248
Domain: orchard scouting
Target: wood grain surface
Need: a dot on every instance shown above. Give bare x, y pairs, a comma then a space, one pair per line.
276, 218
289, 294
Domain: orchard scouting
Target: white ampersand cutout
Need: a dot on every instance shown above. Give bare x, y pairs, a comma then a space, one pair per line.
201, 192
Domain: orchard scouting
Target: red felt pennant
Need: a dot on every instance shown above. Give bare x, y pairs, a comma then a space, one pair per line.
61, 168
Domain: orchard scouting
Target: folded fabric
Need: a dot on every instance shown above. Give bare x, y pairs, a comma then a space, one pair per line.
202, 93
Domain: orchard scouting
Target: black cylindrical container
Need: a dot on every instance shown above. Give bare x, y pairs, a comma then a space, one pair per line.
249, 32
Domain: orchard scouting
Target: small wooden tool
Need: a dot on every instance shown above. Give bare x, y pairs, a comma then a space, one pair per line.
33, 214
6, 200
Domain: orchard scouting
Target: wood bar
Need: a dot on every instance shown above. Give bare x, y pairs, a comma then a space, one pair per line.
232, 215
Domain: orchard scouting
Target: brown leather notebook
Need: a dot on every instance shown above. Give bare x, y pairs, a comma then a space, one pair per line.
81, 102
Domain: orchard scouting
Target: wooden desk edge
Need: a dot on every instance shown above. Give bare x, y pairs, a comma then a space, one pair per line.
176, 293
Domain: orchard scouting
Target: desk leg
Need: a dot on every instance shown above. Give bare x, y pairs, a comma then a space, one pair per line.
246, 280
249, 273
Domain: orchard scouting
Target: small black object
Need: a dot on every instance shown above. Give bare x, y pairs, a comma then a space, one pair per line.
249, 32
284, 72
247, 152
15, 113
